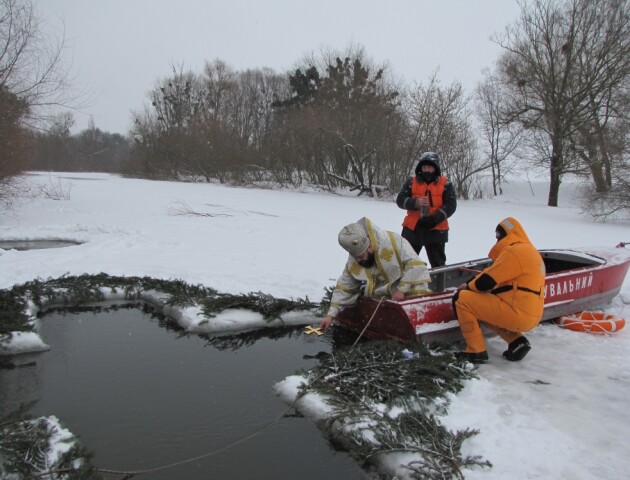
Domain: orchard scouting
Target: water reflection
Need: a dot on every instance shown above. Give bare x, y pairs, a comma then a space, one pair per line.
141, 393
246, 339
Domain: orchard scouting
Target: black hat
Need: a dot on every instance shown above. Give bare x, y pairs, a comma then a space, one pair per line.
429, 158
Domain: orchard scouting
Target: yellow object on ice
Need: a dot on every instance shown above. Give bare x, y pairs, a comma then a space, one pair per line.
310, 330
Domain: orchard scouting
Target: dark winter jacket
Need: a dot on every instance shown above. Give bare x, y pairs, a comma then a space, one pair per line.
405, 200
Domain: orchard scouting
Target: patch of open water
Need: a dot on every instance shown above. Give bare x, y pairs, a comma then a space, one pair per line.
35, 244
140, 394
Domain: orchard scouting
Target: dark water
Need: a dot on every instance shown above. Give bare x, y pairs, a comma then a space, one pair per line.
141, 395
35, 244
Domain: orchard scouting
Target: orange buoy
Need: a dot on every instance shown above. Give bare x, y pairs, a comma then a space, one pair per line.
592, 322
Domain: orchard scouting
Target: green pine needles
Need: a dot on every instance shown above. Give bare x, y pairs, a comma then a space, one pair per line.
270, 307
384, 403
26, 447
67, 291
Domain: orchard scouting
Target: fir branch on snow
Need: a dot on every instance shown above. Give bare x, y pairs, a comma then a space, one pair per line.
67, 291
324, 303
270, 307
77, 290
417, 432
379, 372
26, 446
13, 305
363, 383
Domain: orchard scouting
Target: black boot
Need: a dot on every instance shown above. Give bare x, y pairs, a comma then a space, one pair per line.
473, 357
517, 349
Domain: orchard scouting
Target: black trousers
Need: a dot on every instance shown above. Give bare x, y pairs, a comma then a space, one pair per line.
436, 251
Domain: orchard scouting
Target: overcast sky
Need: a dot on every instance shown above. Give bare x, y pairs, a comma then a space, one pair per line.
120, 48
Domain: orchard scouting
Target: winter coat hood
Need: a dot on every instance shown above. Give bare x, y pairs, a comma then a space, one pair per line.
514, 233
428, 158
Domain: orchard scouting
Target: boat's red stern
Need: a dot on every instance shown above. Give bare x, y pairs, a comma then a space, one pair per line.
385, 321
401, 321
430, 313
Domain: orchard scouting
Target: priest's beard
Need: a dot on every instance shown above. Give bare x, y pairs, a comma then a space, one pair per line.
368, 262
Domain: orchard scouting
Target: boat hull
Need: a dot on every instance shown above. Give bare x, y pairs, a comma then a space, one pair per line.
576, 280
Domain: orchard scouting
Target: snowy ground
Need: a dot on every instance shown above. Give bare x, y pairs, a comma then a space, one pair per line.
561, 413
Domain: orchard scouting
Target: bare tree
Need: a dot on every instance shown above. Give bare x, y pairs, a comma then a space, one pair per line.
240, 107
562, 59
427, 108
600, 138
615, 200
501, 137
342, 120
31, 60
179, 105
32, 76
13, 140
440, 120
208, 126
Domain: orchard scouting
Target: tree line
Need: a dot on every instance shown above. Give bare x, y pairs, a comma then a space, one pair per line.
556, 99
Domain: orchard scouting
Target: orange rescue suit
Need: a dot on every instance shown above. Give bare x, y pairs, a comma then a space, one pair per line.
515, 303
435, 192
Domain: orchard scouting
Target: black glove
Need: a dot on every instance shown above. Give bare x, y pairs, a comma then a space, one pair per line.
428, 222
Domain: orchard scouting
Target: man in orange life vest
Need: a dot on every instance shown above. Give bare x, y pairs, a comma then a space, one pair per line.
429, 199
508, 296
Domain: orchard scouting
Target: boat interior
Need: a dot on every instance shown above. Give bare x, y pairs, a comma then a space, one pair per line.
556, 261
560, 261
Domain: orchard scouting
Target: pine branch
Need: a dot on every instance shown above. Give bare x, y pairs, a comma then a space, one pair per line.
25, 446
270, 307
362, 384
70, 291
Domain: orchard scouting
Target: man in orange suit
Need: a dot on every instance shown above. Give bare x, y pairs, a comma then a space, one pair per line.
507, 296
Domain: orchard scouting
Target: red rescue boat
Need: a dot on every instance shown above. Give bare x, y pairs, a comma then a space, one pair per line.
576, 280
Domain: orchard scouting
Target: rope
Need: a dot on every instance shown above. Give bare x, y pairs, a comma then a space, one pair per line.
368, 323
131, 473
